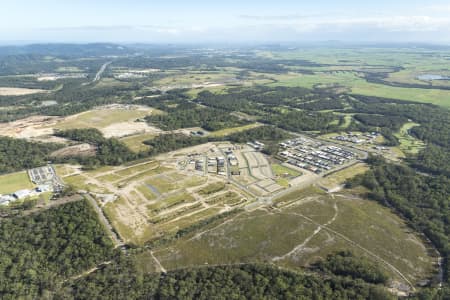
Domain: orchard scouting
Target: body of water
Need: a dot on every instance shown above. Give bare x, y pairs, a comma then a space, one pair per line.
430, 77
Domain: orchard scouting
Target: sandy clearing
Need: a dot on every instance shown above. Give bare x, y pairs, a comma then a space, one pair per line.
31, 127
129, 128
76, 150
9, 91
47, 78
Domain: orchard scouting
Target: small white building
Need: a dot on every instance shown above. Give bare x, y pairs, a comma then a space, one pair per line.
6, 199
44, 188
22, 194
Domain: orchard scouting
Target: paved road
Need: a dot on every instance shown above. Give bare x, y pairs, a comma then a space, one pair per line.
98, 76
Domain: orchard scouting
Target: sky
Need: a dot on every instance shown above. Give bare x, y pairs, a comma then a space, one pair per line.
231, 21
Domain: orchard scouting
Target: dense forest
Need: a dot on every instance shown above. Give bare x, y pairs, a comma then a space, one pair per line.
108, 151
170, 142
174, 141
303, 121
207, 118
262, 133
40, 250
18, 154
345, 263
124, 281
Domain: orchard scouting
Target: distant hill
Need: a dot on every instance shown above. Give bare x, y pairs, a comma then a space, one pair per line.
71, 50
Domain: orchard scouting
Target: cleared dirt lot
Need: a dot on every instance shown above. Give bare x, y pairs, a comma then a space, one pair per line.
129, 128
76, 150
112, 120
31, 127
7, 91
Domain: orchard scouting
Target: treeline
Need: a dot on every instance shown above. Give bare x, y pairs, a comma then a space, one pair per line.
108, 151
344, 263
303, 121
262, 133
257, 99
206, 118
71, 99
124, 281
433, 160
434, 126
322, 104
176, 58
423, 200
40, 250
279, 106
269, 135
391, 122
18, 154
174, 141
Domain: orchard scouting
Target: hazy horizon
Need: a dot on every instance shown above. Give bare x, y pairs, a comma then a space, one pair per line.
26, 21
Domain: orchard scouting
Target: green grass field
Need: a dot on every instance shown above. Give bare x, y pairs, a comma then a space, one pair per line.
136, 142
280, 170
10, 183
339, 177
228, 131
357, 85
212, 188
408, 143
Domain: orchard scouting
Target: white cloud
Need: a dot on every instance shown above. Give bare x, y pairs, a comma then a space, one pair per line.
438, 8
386, 23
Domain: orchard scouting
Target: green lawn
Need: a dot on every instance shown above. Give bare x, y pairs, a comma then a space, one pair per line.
10, 183
280, 170
408, 143
136, 142
228, 131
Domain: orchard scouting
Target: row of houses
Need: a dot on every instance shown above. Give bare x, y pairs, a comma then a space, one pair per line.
357, 138
258, 146
233, 162
314, 156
